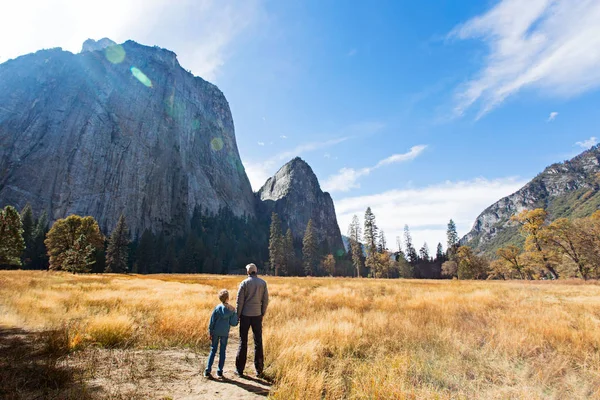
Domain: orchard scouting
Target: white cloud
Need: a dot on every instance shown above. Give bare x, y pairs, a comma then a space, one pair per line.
586, 144
347, 178
261, 143
552, 116
199, 31
427, 210
550, 45
259, 172
414, 152
283, 137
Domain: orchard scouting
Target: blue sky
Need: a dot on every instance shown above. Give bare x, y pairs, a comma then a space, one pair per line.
425, 111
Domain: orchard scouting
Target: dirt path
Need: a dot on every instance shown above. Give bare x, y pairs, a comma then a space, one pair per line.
231, 387
96, 373
171, 374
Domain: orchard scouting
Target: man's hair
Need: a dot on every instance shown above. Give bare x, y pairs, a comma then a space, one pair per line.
251, 269
223, 295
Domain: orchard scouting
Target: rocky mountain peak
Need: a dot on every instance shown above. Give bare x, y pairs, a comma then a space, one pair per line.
93, 45
295, 195
294, 176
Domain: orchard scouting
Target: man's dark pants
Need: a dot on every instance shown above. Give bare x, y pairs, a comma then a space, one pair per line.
245, 324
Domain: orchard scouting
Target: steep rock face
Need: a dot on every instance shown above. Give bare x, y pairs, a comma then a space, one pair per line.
120, 130
295, 195
569, 189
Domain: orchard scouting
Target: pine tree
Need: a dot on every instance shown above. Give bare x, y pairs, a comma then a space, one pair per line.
276, 244
410, 252
381, 244
12, 243
399, 244
37, 251
354, 233
71, 243
439, 254
289, 253
370, 236
452, 238
28, 228
310, 250
118, 248
424, 252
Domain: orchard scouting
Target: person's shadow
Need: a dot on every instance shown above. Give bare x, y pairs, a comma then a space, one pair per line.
259, 390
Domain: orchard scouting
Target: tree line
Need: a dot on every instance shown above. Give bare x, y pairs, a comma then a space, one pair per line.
222, 242
308, 257
563, 248
214, 243
371, 257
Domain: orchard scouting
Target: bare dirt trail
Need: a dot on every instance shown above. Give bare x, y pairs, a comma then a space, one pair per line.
29, 372
231, 387
173, 374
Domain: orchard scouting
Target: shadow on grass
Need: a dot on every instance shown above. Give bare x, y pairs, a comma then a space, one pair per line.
32, 365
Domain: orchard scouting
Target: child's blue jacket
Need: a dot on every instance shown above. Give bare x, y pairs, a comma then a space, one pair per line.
220, 321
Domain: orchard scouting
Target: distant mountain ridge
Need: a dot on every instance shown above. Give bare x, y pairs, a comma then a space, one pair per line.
567, 189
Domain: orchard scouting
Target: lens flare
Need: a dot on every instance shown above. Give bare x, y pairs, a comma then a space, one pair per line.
115, 54
216, 144
140, 76
174, 108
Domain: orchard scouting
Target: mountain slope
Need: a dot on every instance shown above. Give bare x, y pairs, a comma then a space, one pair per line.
568, 189
295, 195
117, 129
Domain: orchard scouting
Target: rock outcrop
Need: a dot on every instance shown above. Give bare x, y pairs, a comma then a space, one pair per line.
117, 129
95, 45
569, 189
295, 195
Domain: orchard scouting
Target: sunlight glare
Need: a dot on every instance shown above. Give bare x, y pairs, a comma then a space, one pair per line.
216, 144
140, 76
115, 54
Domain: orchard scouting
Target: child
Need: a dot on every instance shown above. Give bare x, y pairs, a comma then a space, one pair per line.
223, 316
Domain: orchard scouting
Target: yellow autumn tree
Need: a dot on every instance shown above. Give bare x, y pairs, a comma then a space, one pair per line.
538, 254
71, 243
512, 257
470, 264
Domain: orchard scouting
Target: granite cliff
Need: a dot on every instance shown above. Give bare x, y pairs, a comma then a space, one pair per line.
567, 189
295, 195
117, 129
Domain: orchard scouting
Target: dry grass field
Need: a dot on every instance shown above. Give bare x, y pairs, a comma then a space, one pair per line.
325, 338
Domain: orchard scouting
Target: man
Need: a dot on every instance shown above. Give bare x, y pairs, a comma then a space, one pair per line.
252, 302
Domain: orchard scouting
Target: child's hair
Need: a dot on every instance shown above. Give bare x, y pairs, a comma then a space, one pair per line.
223, 295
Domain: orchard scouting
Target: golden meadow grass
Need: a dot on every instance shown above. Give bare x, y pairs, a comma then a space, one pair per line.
346, 338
